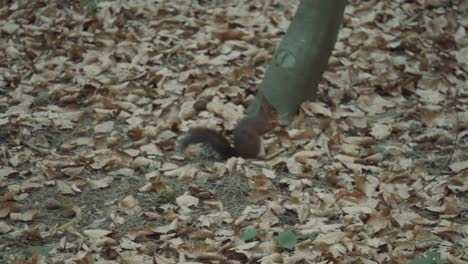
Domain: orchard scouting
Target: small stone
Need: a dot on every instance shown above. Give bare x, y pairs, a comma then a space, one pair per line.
52, 204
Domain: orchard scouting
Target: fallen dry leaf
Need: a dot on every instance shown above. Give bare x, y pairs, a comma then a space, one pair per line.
94, 96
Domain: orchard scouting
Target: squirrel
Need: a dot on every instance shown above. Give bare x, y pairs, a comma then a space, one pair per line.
247, 135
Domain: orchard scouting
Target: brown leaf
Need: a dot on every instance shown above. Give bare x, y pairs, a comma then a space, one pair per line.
155, 185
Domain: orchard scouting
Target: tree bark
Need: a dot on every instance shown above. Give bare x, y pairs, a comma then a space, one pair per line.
302, 56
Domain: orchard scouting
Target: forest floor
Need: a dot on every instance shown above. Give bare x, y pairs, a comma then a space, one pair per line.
94, 97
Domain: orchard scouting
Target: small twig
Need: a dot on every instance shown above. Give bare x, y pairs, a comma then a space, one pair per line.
457, 131
133, 78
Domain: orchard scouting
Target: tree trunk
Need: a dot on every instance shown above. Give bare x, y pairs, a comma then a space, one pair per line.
299, 62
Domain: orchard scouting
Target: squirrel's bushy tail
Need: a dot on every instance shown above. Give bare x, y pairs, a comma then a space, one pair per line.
210, 139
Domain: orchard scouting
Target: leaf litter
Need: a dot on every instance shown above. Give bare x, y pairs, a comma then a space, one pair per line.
93, 97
